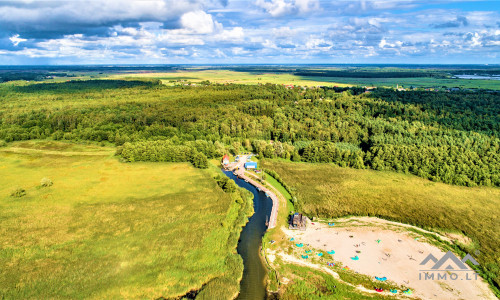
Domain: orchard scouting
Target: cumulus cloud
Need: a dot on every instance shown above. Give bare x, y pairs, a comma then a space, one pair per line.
199, 22
161, 31
234, 35
57, 18
277, 8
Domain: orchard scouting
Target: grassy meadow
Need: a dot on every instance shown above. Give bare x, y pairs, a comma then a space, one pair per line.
228, 76
107, 229
326, 190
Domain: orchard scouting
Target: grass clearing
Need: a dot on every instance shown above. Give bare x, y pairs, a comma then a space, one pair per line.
106, 229
326, 190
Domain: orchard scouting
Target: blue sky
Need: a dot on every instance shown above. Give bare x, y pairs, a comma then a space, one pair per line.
257, 31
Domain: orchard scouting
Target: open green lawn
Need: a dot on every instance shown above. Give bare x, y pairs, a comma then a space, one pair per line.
111, 230
327, 190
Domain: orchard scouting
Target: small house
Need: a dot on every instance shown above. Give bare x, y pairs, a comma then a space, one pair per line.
225, 159
297, 221
250, 165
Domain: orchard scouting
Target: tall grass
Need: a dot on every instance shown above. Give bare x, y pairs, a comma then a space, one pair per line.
331, 191
110, 230
314, 284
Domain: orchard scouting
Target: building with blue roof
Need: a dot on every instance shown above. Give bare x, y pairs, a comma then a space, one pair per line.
251, 165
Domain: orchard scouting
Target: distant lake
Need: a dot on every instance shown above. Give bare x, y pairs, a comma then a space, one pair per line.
494, 77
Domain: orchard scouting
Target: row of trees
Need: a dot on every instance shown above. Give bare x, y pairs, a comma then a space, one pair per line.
372, 74
162, 151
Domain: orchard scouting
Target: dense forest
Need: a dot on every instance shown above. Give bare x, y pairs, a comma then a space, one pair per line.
29, 76
451, 137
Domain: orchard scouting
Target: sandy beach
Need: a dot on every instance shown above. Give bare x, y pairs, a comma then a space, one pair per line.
387, 250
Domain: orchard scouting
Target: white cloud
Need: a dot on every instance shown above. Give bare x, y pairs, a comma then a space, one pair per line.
317, 44
277, 8
306, 5
16, 40
199, 22
50, 18
135, 30
475, 40
236, 34
284, 32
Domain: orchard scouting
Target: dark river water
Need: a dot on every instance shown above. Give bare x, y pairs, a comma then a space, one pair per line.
253, 284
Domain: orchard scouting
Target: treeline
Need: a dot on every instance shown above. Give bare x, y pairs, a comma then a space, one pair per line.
445, 164
368, 74
345, 126
26, 75
465, 111
483, 72
80, 86
162, 151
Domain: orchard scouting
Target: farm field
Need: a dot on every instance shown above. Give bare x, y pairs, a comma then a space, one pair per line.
107, 229
229, 76
419, 82
326, 190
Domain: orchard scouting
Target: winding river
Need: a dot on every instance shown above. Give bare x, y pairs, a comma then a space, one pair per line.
253, 283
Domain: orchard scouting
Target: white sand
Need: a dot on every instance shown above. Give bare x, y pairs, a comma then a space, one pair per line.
396, 257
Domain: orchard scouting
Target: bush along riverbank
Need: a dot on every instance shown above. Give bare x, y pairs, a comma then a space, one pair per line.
227, 286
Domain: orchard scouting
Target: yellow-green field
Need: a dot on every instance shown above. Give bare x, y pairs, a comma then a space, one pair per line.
111, 230
228, 76
327, 190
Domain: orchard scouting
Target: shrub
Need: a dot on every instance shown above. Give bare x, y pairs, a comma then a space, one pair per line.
226, 184
46, 182
200, 161
18, 193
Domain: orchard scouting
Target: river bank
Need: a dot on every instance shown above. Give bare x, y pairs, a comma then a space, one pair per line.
253, 283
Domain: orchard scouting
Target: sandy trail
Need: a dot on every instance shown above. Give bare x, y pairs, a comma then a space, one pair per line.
397, 256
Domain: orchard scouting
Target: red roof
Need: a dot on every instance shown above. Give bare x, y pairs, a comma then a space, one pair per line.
225, 157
